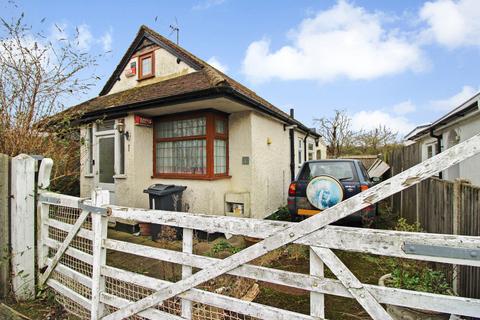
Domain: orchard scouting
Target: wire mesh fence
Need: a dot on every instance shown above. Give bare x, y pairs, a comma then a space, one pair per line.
232, 286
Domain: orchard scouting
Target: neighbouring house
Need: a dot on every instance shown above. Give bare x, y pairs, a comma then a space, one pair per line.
456, 126
166, 116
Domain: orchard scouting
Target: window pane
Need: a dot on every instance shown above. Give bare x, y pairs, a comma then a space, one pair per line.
146, 66
188, 157
219, 126
220, 156
105, 125
181, 128
107, 160
300, 150
342, 170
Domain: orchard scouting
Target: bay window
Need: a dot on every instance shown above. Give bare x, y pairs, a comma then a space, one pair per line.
191, 145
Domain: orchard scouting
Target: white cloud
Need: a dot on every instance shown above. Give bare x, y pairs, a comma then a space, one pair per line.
344, 40
217, 64
452, 23
457, 99
404, 107
205, 4
84, 37
106, 40
371, 119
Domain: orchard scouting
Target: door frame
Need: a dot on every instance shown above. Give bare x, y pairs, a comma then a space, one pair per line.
99, 135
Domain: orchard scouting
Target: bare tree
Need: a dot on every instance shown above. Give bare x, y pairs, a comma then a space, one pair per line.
336, 132
374, 140
37, 77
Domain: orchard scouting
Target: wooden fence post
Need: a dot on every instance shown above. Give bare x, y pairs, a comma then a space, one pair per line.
187, 270
457, 220
23, 226
99, 228
4, 226
317, 300
42, 215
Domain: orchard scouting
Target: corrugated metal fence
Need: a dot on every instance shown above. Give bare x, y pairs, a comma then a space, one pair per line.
440, 206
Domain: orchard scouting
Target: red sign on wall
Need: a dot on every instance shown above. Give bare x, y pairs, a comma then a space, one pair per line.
142, 121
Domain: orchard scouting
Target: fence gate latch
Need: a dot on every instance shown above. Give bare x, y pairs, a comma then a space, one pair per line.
441, 251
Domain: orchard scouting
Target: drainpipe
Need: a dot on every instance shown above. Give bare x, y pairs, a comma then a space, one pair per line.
439, 146
292, 148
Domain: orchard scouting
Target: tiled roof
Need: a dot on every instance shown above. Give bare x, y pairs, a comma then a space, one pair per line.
205, 78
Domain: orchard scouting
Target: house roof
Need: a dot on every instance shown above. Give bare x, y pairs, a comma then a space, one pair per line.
205, 82
463, 109
416, 130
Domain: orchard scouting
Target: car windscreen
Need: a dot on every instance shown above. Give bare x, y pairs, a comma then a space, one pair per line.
342, 170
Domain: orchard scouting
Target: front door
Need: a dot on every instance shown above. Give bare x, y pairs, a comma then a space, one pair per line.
105, 165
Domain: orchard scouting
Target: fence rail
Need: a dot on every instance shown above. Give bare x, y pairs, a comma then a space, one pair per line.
76, 293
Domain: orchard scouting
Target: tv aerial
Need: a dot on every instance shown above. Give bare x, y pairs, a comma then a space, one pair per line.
175, 28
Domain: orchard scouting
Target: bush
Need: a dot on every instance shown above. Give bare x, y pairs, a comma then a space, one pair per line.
416, 275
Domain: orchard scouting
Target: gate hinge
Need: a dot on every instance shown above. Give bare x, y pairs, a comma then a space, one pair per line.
441, 251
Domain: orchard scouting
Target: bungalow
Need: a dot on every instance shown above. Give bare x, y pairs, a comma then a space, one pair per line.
456, 126
166, 116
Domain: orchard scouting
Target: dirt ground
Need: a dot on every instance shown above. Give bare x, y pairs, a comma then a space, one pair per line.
367, 268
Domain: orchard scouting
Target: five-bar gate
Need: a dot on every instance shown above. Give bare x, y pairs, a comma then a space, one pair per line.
73, 248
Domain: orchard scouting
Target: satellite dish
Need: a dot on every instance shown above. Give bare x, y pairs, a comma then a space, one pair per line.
324, 192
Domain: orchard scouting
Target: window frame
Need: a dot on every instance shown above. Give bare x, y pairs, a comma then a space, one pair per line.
300, 151
210, 136
89, 168
310, 152
142, 57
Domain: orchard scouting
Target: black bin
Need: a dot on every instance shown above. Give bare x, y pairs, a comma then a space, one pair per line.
166, 197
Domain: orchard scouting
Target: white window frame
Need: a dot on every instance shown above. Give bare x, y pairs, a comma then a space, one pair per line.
300, 151
434, 149
118, 156
310, 153
90, 158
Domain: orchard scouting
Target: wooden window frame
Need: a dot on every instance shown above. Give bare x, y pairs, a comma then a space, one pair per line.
142, 57
210, 136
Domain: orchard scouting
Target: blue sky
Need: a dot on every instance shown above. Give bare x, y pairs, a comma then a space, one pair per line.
398, 63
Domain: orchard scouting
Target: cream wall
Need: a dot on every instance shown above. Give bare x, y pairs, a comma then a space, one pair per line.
265, 178
469, 168
463, 129
166, 67
270, 165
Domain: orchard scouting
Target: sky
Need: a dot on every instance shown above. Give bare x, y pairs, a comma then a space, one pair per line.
394, 63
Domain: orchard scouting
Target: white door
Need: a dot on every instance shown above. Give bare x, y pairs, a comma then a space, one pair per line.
105, 163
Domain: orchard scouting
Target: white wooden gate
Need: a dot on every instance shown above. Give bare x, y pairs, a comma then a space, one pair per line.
82, 277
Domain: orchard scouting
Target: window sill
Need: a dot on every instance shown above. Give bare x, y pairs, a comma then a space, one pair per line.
88, 175
145, 78
189, 177
120, 176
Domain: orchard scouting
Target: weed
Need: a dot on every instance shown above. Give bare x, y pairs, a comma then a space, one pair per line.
222, 246
282, 214
403, 225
